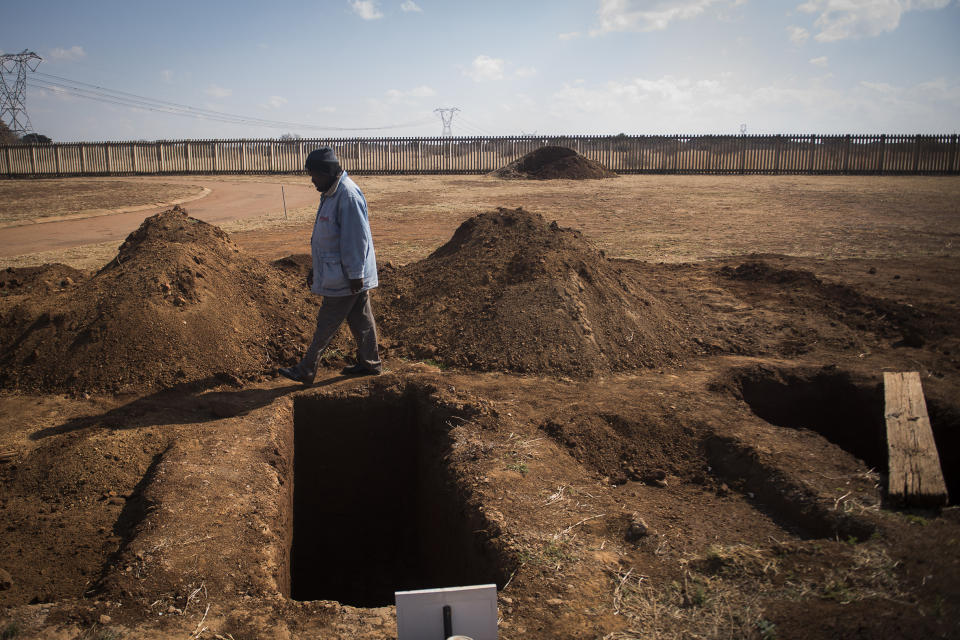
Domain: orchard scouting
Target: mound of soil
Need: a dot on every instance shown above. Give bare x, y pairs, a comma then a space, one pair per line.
510, 291
551, 162
179, 303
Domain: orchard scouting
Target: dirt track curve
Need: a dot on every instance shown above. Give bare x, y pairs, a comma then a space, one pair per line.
226, 201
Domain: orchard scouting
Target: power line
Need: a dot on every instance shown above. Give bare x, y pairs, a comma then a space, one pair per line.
476, 127
12, 96
131, 100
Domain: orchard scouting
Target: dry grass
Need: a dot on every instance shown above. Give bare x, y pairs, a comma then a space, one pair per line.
723, 592
25, 200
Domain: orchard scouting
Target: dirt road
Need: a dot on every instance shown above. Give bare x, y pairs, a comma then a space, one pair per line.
228, 200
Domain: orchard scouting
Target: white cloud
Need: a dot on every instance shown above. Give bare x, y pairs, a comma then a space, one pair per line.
570, 35
842, 19
798, 35
73, 53
718, 104
409, 5
167, 75
366, 9
525, 72
485, 68
819, 62
650, 15
410, 95
275, 102
326, 109
218, 92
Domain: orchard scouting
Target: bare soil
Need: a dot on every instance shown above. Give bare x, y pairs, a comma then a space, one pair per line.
28, 200
651, 409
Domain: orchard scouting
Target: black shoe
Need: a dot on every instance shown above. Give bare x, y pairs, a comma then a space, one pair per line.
293, 374
359, 370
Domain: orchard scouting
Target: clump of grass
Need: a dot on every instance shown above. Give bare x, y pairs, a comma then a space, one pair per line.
433, 362
520, 467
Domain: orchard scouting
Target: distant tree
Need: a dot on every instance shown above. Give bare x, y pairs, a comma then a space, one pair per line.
6, 136
36, 138
290, 136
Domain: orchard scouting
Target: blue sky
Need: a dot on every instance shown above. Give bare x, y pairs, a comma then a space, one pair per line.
381, 67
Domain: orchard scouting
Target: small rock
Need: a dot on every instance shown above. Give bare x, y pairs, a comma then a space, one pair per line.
6, 580
66, 282
116, 500
657, 478
638, 528
506, 599
105, 619
554, 602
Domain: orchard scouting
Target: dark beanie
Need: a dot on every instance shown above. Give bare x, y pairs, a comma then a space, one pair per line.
323, 160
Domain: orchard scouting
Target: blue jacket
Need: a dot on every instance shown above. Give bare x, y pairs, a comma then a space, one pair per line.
341, 245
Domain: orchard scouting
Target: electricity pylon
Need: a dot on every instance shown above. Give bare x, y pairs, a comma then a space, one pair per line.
446, 116
13, 89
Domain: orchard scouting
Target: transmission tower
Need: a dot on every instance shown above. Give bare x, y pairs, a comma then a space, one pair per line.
446, 116
13, 89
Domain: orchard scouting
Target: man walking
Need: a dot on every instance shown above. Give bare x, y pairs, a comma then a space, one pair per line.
344, 269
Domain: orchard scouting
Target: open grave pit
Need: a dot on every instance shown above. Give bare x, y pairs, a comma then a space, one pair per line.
376, 506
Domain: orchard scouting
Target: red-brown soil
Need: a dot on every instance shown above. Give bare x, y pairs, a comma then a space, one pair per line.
552, 163
511, 291
719, 475
175, 281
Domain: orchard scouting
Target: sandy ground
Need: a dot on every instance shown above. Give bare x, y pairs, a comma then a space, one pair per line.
736, 494
652, 218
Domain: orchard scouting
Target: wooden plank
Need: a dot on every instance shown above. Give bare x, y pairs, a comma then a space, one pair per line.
915, 477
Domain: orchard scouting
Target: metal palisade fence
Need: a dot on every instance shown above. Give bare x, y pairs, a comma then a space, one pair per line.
700, 154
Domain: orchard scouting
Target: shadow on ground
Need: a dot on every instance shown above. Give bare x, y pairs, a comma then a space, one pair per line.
183, 404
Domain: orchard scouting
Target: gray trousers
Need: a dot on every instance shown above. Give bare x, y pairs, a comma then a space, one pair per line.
355, 309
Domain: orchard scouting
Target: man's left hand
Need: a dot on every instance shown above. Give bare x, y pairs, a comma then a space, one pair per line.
356, 285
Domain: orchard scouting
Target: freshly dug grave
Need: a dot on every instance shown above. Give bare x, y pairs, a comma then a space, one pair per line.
179, 303
552, 162
511, 291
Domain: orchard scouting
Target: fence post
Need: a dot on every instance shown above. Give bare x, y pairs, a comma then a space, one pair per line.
33, 159
9, 162
846, 156
916, 153
743, 154
778, 144
950, 166
243, 155
109, 158
56, 157
883, 145
813, 153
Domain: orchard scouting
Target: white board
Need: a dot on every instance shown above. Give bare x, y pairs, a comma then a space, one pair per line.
473, 610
